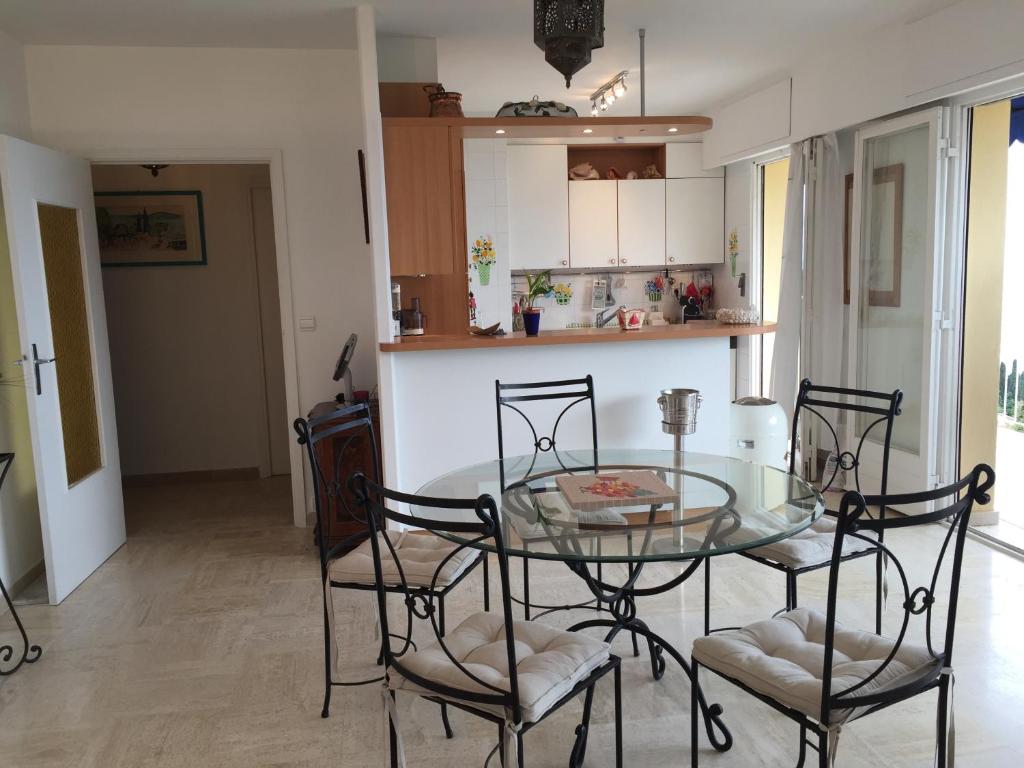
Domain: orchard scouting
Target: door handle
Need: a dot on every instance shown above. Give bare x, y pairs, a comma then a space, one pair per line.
36, 362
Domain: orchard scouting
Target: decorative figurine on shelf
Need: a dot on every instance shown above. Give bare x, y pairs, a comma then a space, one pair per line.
734, 251
652, 172
536, 286
563, 293
472, 308
483, 257
583, 172
517, 315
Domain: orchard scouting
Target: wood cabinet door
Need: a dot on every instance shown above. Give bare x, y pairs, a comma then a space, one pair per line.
538, 206
418, 180
695, 227
593, 224
641, 222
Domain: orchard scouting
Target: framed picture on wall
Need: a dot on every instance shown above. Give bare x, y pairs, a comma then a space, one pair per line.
886, 237
151, 229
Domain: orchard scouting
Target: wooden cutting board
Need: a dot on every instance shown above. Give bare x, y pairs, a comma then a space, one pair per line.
615, 489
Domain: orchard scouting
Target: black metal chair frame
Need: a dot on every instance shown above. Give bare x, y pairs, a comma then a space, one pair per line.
853, 521
812, 398
29, 653
310, 433
486, 528
544, 444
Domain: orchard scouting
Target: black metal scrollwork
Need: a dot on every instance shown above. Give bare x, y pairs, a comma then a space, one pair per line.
28, 653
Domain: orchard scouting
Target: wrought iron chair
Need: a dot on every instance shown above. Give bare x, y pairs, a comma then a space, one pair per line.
29, 653
823, 675
512, 397
811, 550
349, 564
522, 671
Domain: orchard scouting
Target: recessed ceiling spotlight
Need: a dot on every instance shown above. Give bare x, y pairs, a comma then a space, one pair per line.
500, 131
673, 130
588, 130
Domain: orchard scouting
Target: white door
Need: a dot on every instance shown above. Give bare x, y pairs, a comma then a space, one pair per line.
51, 228
538, 206
895, 291
593, 224
694, 221
642, 223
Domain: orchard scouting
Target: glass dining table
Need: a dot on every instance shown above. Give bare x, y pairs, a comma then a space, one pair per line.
589, 508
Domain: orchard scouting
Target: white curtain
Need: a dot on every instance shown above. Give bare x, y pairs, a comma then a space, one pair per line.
809, 336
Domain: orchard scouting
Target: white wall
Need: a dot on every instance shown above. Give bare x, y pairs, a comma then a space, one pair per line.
406, 59
21, 543
184, 341
970, 44
739, 178
14, 119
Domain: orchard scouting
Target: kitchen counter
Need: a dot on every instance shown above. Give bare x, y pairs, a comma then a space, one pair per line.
697, 329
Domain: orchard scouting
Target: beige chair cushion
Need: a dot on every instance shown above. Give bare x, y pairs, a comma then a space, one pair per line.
549, 661
419, 553
812, 546
783, 659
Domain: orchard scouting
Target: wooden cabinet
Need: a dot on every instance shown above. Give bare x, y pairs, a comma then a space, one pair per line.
593, 224
686, 161
695, 226
425, 198
538, 206
642, 222
339, 458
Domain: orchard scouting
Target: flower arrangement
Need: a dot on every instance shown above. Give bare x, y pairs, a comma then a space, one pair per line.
563, 293
655, 288
483, 257
734, 250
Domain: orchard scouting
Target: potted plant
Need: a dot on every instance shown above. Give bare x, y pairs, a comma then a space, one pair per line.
536, 286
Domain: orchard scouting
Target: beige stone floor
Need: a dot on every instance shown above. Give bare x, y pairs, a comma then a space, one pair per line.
199, 644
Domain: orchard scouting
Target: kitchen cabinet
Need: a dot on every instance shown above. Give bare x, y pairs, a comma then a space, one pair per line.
425, 198
538, 206
593, 224
695, 226
641, 222
686, 160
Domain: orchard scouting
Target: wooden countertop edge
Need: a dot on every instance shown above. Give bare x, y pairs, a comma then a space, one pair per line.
696, 330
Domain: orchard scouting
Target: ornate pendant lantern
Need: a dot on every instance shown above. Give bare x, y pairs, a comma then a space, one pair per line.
567, 31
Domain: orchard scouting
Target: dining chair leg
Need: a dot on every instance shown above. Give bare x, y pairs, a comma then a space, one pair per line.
579, 746
526, 585
487, 582
791, 600
618, 715
694, 713
823, 755
501, 744
519, 743
879, 594
392, 737
943, 758
707, 596
803, 746
326, 711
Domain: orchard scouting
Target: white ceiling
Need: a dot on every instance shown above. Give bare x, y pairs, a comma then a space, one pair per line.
699, 52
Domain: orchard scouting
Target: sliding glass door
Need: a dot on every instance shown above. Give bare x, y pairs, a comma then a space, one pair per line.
894, 291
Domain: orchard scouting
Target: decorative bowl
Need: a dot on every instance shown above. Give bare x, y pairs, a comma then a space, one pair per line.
737, 316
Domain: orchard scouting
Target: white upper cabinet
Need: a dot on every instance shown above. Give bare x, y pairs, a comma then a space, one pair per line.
593, 224
538, 206
642, 223
685, 160
695, 227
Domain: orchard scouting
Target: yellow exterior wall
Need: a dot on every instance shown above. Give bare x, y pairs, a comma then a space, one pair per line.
776, 178
984, 290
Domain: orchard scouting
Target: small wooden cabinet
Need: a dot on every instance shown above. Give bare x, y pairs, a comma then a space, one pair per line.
641, 223
340, 457
426, 201
538, 206
593, 224
695, 225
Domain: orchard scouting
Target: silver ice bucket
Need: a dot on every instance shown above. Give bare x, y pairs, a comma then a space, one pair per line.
679, 410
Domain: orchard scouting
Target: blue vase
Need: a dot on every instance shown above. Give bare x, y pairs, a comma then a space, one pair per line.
531, 323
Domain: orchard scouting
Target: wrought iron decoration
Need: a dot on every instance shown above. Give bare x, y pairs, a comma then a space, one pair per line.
567, 31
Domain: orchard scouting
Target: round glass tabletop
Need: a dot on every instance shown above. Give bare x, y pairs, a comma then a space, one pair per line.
629, 505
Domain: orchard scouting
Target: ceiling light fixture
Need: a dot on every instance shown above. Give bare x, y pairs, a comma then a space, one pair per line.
500, 131
154, 168
567, 31
593, 109
614, 89
673, 130
588, 130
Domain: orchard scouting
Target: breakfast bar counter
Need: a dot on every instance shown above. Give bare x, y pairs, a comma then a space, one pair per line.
696, 329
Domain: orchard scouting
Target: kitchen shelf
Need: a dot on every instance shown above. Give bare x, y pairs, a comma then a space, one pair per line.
561, 127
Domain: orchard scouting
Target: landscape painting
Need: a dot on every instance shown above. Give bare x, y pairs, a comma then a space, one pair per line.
146, 229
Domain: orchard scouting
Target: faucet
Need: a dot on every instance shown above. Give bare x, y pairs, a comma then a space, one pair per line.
602, 320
